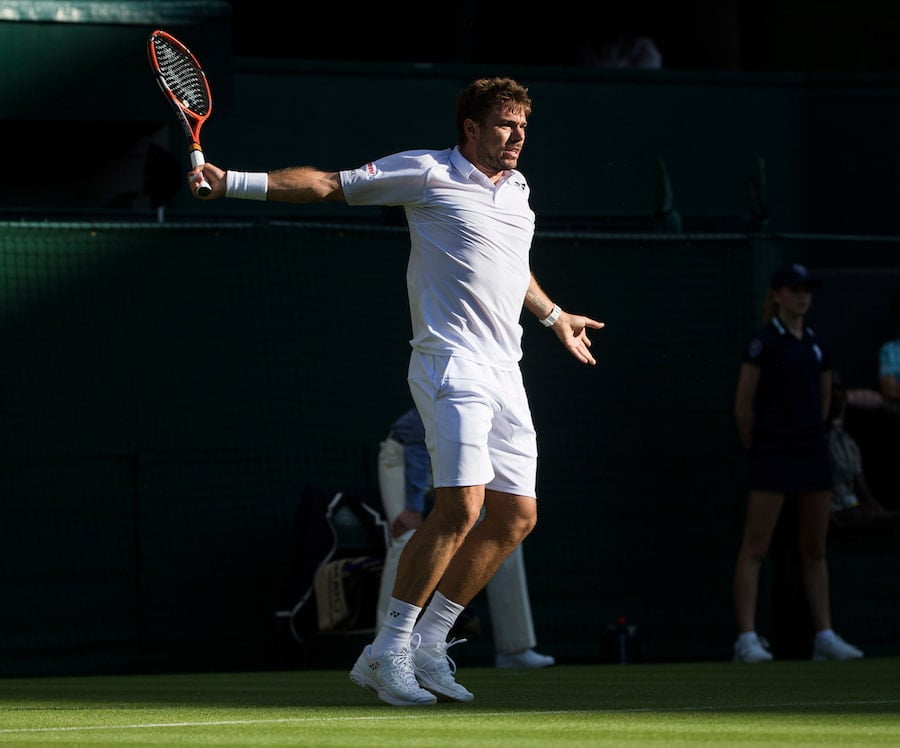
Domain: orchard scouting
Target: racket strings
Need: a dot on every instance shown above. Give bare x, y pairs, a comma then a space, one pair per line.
182, 77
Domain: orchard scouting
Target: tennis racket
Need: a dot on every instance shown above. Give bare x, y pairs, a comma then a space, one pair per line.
184, 84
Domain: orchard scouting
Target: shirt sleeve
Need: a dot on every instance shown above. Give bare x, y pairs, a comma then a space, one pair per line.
398, 179
754, 350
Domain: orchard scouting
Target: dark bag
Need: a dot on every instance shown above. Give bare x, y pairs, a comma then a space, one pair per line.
319, 540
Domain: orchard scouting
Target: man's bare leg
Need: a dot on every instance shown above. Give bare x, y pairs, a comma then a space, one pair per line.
432, 547
455, 552
508, 519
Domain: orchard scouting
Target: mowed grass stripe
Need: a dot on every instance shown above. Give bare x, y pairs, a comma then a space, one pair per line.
780, 703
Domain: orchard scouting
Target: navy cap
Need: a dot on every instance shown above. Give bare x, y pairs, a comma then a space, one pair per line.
794, 274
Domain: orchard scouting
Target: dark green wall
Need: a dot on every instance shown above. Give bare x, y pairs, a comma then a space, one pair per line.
595, 138
170, 391
171, 387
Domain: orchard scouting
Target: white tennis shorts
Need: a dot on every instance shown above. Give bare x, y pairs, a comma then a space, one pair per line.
478, 425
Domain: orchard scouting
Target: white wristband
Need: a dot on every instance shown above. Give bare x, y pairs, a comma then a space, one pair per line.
552, 317
246, 185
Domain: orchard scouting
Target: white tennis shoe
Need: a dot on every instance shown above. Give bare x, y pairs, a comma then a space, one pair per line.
525, 659
832, 647
392, 677
434, 671
751, 649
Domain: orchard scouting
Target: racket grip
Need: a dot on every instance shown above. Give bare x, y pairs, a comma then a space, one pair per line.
197, 159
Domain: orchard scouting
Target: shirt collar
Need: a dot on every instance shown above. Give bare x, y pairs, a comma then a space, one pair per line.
806, 332
471, 172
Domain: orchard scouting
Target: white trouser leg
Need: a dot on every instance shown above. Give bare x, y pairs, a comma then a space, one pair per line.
509, 605
392, 484
389, 573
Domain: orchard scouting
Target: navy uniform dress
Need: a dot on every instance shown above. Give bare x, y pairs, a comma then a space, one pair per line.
790, 444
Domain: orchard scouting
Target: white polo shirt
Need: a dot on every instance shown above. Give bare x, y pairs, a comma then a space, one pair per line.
468, 266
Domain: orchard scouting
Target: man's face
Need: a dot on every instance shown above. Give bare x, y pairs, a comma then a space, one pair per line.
498, 140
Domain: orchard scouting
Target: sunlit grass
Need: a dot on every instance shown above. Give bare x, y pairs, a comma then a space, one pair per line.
796, 703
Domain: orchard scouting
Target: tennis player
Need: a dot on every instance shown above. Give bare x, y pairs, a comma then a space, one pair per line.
468, 278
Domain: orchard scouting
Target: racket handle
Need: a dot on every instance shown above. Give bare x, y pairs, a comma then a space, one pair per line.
203, 188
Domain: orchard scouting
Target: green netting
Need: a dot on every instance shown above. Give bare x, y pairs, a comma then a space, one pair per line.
169, 390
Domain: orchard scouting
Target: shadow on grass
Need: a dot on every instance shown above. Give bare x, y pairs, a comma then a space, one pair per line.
864, 686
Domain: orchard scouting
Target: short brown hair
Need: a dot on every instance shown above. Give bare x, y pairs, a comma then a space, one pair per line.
483, 94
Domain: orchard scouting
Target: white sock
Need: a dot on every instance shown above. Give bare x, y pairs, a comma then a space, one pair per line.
396, 628
747, 636
437, 620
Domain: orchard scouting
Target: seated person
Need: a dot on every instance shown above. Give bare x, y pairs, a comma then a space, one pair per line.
889, 358
854, 509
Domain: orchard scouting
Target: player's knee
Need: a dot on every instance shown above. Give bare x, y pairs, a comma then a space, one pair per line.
457, 519
523, 526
